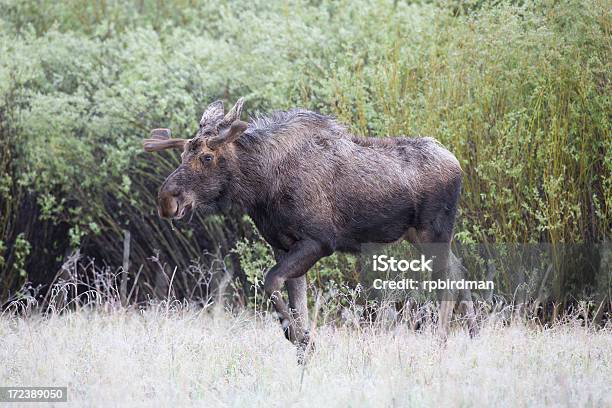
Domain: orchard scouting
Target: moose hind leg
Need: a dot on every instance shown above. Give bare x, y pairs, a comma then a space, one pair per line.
447, 298
459, 272
437, 248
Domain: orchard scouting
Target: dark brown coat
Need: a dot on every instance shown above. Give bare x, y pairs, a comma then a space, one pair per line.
312, 188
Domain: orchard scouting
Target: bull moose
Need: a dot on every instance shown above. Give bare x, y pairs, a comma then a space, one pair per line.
312, 188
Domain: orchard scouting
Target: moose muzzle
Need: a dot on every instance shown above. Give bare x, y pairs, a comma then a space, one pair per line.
173, 202
168, 204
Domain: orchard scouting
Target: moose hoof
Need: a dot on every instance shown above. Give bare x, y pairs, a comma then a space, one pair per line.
288, 330
305, 348
473, 329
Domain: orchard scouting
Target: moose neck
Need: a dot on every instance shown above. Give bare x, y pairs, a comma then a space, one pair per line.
255, 175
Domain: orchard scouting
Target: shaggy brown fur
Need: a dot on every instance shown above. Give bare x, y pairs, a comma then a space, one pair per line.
312, 188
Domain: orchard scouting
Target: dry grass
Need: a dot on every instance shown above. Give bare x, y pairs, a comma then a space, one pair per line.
182, 357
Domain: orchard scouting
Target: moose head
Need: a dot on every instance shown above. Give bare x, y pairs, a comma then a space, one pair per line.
205, 171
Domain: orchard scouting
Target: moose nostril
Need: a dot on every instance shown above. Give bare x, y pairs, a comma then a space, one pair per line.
167, 193
172, 192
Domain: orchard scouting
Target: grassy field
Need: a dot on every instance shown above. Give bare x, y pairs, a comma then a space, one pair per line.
180, 357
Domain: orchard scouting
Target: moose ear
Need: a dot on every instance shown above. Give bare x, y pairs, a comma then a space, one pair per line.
227, 135
213, 114
234, 114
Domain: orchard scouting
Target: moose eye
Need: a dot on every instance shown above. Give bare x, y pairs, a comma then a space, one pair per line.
206, 158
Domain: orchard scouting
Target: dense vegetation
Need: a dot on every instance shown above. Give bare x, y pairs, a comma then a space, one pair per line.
520, 93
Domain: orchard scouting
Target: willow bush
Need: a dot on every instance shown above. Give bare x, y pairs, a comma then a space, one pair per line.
520, 93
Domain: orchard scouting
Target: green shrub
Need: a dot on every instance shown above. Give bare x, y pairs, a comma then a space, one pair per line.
520, 93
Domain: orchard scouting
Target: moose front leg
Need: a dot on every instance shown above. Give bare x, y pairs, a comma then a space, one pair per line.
290, 269
298, 306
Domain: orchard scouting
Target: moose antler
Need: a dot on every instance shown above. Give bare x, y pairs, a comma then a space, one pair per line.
160, 140
234, 114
